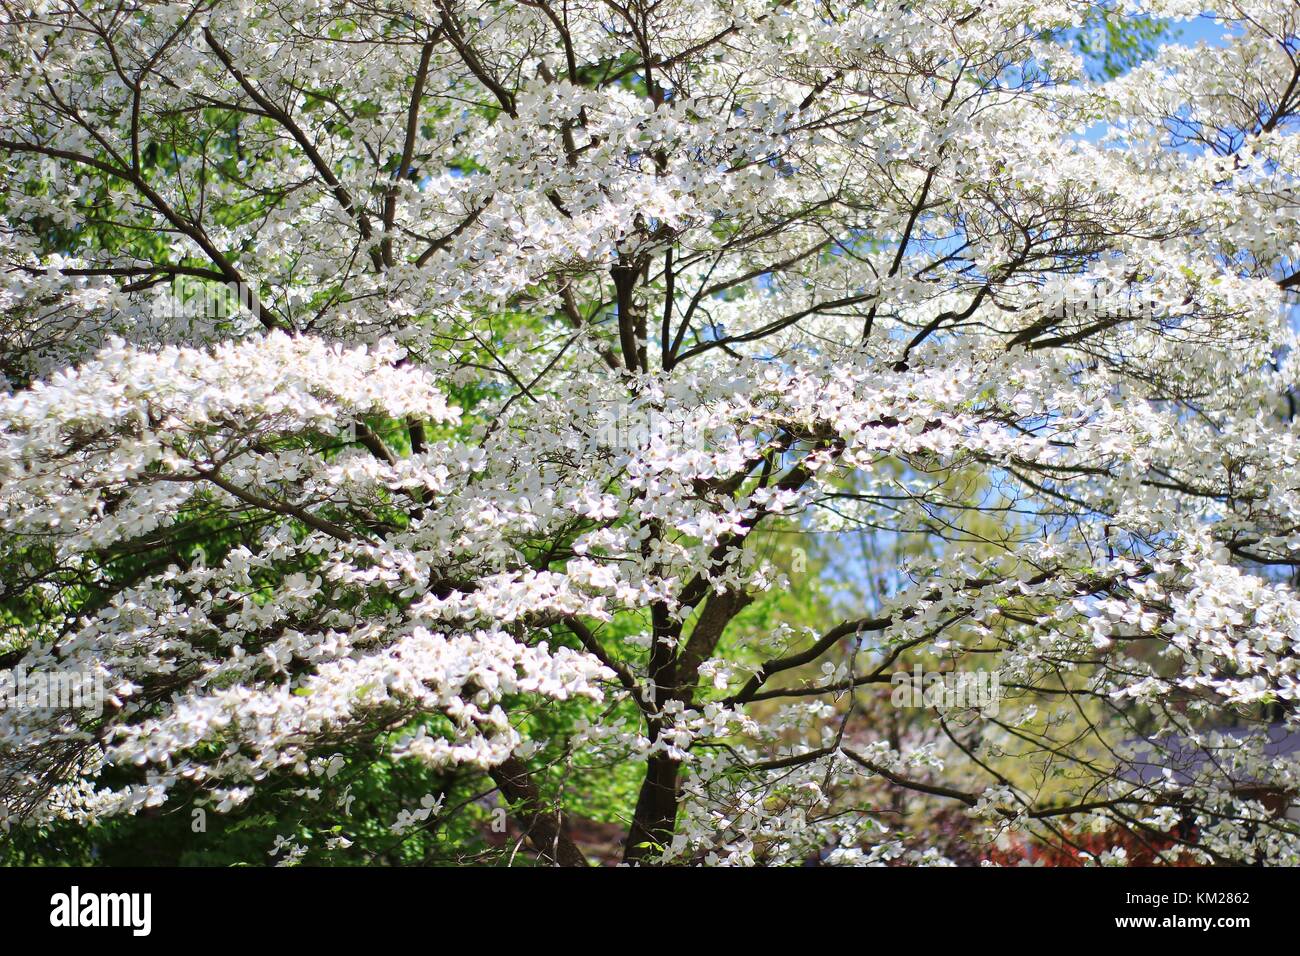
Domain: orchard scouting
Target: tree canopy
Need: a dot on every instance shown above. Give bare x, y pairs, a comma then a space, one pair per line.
595, 410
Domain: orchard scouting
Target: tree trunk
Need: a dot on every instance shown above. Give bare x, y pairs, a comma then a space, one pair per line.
656, 810
543, 828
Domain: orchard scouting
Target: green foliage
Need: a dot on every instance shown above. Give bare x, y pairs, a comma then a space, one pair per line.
1114, 44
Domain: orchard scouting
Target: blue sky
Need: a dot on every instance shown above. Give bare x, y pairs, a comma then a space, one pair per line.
1203, 29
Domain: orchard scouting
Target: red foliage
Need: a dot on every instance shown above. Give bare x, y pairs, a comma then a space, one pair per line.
1086, 848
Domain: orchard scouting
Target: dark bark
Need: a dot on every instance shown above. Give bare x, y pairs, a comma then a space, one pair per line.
656, 805
631, 317
656, 810
543, 827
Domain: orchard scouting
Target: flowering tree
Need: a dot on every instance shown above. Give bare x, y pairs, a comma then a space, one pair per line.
426, 382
